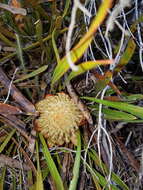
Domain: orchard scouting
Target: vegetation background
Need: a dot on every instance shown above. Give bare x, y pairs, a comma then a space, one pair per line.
102, 72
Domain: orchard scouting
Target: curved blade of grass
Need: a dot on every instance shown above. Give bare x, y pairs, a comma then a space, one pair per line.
127, 55
55, 46
134, 110
104, 182
94, 156
32, 74
83, 44
73, 183
118, 115
51, 165
13, 186
39, 180
39, 30
85, 66
67, 4
30, 180
2, 178
7, 139
134, 98
98, 177
115, 115
7, 41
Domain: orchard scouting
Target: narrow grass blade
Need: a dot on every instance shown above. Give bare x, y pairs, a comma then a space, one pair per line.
76, 167
94, 156
32, 74
127, 55
39, 29
39, 180
99, 179
6, 40
134, 110
114, 114
67, 4
118, 115
3, 145
30, 180
51, 165
2, 178
19, 52
55, 46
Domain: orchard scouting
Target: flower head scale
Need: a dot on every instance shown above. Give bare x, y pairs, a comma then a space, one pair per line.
59, 119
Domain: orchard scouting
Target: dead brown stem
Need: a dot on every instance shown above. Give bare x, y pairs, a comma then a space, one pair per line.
26, 105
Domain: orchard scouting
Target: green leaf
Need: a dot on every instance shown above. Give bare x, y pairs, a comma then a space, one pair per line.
32, 74
94, 156
67, 4
134, 97
117, 115
99, 179
85, 66
51, 165
2, 178
39, 29
7, 139
55, 46
73, 183
127, 55
7, 41
39, 181
83, 44
134, 110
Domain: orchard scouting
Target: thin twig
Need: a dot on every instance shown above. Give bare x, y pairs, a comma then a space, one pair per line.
79, 103
9, 88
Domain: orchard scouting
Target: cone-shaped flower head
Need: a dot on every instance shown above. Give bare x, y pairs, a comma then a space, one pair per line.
59, 119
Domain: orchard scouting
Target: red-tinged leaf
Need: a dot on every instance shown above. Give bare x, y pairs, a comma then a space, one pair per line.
85, 66
110, 83
103, 81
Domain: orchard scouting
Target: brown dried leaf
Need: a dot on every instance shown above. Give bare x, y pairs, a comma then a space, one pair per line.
7, 109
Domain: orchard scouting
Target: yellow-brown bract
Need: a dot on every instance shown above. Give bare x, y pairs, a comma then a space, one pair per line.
59, 119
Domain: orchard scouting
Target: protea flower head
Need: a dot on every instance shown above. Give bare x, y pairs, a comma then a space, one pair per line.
59, 119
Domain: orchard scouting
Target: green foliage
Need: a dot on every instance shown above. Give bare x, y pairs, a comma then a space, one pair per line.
132, 109
76, 167
36, 44
51, 165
